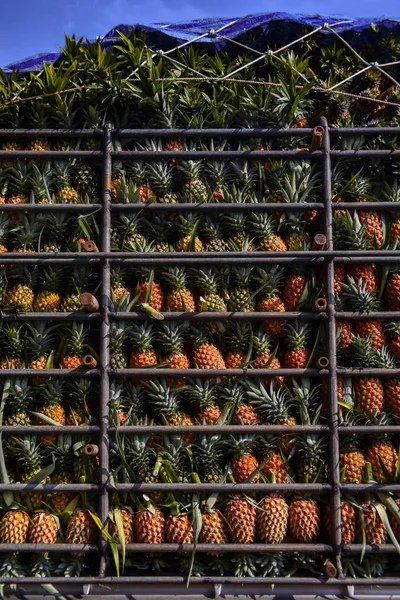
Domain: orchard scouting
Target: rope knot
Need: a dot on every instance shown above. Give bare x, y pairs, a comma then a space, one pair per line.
211, 33
325, 26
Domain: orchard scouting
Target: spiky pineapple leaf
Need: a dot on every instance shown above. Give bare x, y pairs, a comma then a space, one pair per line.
8, 496
314, 350
113, 544
45, 418
385, 520
121, 534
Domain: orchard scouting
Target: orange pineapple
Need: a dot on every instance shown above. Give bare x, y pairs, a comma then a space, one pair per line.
304, 519
77, 334
272, 519
241, 516
179, 298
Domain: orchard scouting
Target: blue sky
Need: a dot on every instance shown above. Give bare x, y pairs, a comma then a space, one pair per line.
31, 26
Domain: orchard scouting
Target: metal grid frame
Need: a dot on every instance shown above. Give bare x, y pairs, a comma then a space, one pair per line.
105, 258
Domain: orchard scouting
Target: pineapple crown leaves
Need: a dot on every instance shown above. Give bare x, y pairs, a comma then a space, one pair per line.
127, 192
391, 193
273, 405
17, 393
52, 278
239, 445
176, 277
350, 233
76, 336
307, 399
51, 391
358, 297
41, 338
25, 237
164, 400
238, 336
270, 281
141, 336
171, 337
12, 339
262, 224
300, 185
201, 392
41, 182
363, 353
297, 334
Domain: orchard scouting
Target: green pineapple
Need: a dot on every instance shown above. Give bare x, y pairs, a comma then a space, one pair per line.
58, 229
40, 183
208, 456
12, 342
118, 335
65, 192
86, 180
19, 185
157, 232
63, 454
194, 188
207, 283
51, 405
186, 228
202, 394
18, 396
25, 237
213, 235
165, 402
218, 176
263, 227
40, 341
29, 455
5, 227
128, 231
161, 182
240, 296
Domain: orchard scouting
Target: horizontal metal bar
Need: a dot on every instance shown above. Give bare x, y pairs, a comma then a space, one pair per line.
382, 257
220, 487
208, 154
364, 487
368, 316
219, 316
161, 372
48, 548
239, 132
50, 316
369, 429
81, 372
49, 487
209, 259
365, 153
180, 579
212, 429
43, 258
367, 372
51, 208
51, 154
364, 131
366, 205
231, 548
50, 133
374, 548
61, 429
216, 207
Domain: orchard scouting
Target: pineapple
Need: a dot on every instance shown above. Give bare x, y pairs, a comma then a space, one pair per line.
142, 355
119, 331
352, 460
178, 529
38, 118
241, 516
76, 341
19, 297
263, 357
231, 393
25, 237
161, 182
63, 454
203, 395
240, 296
43, 529
4, 230
272, 519
235, 226
40, 341
348, 522
179, 298
194, 189
213, 235
79, 391
29, 455
127, 236
313, 464
370, 523
293, 289
273, 466
51, 395
126, 516
304, 519
149, 525
243, 463
81, 529
171, 341
18, 396
66, 193
392, 194
394, 340
369, 391
176, 464
14, 526
19, 181
118, 276
359, 191
297, 355
214, 529
208, 453
262, 225
49, 299
165, 402
40, 183
392, 291
382, 451
218, 176
207, 283
206, 355
237, 337
149, 290
86, 180
186, 228
268, 298
57, 232
13, 341
157, 229
359, 299
273, 405
344, 334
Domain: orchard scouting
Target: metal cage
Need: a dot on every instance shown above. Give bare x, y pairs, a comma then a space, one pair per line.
321, 152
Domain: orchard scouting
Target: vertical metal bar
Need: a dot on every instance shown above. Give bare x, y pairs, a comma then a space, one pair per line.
104, 344
331, 337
